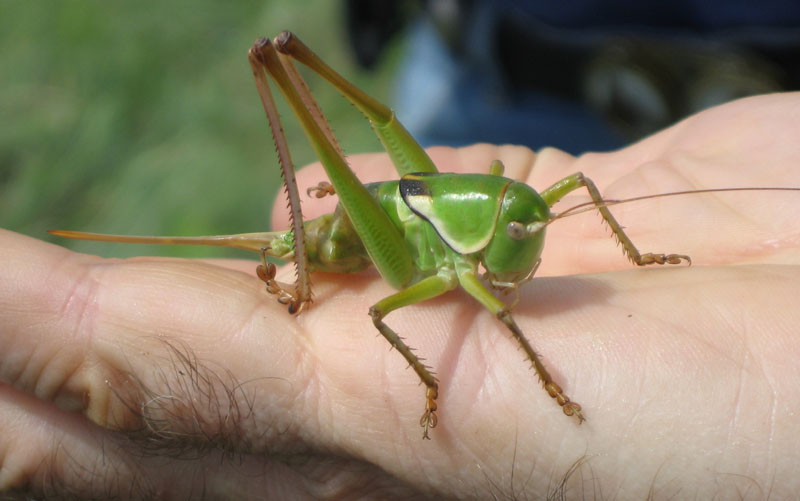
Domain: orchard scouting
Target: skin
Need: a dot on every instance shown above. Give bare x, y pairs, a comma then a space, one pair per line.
687, 376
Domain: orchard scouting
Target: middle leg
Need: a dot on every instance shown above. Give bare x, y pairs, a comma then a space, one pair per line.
426, 288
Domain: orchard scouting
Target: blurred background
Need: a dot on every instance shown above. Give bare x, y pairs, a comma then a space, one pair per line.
142, 118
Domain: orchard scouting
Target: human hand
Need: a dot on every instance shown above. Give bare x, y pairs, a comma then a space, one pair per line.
117, 372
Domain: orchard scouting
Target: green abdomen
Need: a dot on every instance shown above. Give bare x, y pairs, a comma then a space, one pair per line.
334, 246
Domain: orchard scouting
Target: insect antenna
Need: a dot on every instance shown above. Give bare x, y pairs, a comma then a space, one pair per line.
608, 202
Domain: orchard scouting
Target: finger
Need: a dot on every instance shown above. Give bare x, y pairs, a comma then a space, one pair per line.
245, 266
50, 452
55, 454
169, 345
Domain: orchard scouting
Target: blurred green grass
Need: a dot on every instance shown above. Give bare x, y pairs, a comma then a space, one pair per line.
142, 117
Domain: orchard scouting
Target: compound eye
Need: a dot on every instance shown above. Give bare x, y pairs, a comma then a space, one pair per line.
516, 230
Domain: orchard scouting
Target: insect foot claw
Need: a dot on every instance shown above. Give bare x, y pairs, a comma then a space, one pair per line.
429, 419
570, 408
573, 409
321, 190
677, 258
296, 307
651, 258
266, 272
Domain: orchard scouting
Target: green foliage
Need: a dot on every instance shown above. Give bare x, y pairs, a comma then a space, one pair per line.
142, 117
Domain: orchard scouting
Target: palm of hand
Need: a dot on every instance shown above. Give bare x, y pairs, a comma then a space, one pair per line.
677, 362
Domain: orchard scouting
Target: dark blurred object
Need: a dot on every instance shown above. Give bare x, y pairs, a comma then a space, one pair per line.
645, 76
588, 75
645, 85
371, 24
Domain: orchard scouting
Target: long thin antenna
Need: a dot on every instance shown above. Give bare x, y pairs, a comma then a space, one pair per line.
590, 206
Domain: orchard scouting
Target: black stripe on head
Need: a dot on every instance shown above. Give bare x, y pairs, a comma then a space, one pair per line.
413, 185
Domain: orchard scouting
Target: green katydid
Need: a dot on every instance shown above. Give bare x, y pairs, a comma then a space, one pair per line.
426, 233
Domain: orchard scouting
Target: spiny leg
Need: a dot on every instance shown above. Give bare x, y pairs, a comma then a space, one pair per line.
570, 183
553, 389
426, 288
380, 237
469, 281
302, 294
